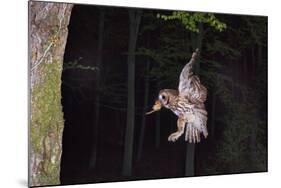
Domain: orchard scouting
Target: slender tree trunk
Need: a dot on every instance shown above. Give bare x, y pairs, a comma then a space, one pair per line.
93, 158
47, 39
145, 103
157, 130
157, 125
134, 17
189, 159
190, 147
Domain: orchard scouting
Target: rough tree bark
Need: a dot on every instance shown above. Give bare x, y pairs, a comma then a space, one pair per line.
47, 38
134, 22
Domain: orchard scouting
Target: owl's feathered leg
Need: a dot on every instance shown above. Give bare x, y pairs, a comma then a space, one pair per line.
180, 124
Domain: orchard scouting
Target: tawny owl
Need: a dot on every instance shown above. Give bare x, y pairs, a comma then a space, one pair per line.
187, 103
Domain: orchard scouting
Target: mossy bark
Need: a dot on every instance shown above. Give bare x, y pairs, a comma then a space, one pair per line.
47, 38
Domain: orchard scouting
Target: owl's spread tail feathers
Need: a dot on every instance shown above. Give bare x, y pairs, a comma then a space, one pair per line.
192, 135
194, 129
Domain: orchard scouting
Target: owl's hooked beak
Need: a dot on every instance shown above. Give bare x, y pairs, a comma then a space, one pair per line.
156, 107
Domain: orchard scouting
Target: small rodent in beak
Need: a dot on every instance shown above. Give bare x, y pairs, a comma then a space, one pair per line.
156, 107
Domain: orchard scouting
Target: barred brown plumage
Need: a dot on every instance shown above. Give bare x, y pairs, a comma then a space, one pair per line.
187, 103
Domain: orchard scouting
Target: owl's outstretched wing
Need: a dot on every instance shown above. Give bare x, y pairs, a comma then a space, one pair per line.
191, 88
189, 84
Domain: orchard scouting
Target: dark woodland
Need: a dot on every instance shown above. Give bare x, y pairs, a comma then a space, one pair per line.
115, 62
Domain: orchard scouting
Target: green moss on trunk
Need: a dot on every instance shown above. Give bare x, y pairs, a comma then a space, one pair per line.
47, 123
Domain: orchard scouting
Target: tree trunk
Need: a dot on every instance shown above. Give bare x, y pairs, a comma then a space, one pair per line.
93, 158
143, 124
48, 33
157, 130
190, 147
134, 17
157, 123
189, 159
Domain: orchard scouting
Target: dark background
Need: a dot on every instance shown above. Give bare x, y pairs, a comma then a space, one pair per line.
232, 65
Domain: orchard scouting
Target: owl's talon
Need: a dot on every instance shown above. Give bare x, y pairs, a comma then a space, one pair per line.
173, 137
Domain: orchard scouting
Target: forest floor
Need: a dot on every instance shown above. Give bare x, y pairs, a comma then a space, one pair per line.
150, 166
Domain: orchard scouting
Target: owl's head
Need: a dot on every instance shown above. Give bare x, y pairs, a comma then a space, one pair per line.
166, 95
164, 98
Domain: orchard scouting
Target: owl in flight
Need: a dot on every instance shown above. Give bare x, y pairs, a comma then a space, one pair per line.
187, 103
